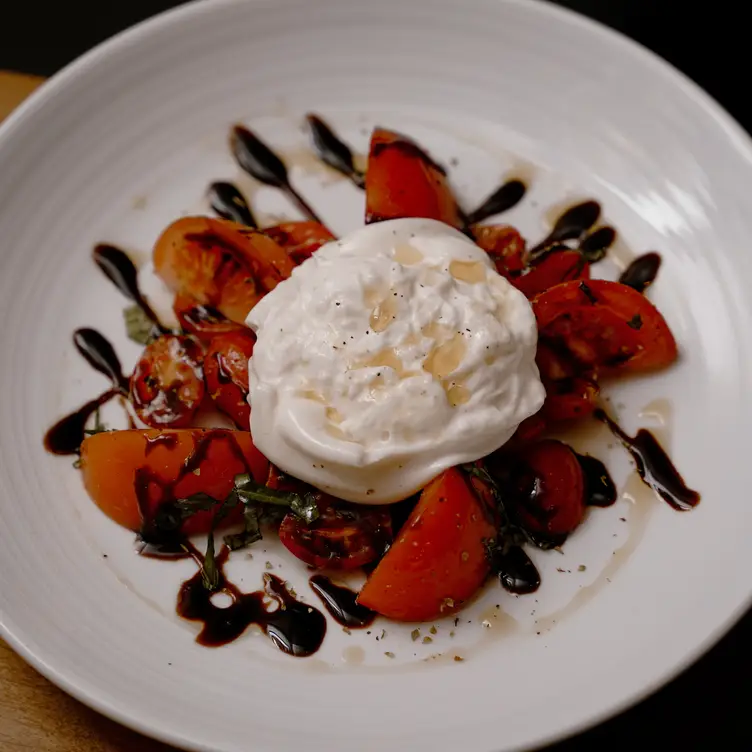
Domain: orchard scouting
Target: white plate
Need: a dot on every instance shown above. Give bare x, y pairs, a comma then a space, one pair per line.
127, 139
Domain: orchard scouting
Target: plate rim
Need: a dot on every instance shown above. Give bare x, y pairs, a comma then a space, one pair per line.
90, 695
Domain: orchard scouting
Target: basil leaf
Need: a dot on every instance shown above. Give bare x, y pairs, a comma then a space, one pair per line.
209, 569
251, 531
199, 502
139, 327
304, 507
99, 427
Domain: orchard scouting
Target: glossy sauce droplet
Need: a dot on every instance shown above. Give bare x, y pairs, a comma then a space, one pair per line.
641, 273
600, 489
342, 603
383, 314
501, 200
121, 271
229, 203
333, 151
100, 355
445, 358
571, 225
516, 571
654, 466
407, 255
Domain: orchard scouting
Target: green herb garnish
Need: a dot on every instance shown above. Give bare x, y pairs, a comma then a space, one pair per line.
635, 322
251, 532
138, 325
302, 506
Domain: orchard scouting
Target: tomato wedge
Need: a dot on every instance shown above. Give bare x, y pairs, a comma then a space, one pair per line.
220, 264
345, 536
202, 321
544, 487
167, 385
300, 239
226, 374
605, 325
438, 560
129, 474
403, 181
571, 389
553, 269
505, 246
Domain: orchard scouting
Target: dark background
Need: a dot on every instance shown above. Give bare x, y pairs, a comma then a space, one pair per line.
707, 707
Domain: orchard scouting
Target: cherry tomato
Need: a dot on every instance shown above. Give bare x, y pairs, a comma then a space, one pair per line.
571, 389
403, 181
300, 239
167, 385
554, 268
220, 264
203, 321
281, 481
505, 246
529, 430
226, 374
544, 487
438, 560
605, 325
345, 536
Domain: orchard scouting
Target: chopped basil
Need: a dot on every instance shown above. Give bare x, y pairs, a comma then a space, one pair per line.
138, 325
209, 570
635, 322
303, 507
251, 532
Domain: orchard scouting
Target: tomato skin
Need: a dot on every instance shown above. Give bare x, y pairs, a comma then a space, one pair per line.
344, 537
300, 239
571, 390
438, 560
112, 462
202, 321
505, 246
167, 385
553, 269
220, 264
544, 487
403, 181
528, 431
226, 374
605, 326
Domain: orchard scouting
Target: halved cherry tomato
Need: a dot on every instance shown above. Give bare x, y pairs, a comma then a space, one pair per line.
605, 325
129, 474
403, 181
226, 374
571, 389
528, 431
345, 536
220, 264
202, 321
300, 239
553, 269
544, 487
505, 246
438, 560
167, 385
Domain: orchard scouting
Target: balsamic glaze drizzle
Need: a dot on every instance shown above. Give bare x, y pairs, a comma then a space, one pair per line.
641, 273
501, 200
294, 627
600, 489
334, 152
341, 603
228, 202
571, 225
654, 466
121, 271
259, 161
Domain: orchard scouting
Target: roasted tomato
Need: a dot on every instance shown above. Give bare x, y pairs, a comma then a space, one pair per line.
226, 374
504, 245
167, 385
203, 321
571, 389
300, 239
553, 269
529, 430
604, 325
438, 560
220, 264
129, 474
403, 181
544, 487
345, 536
